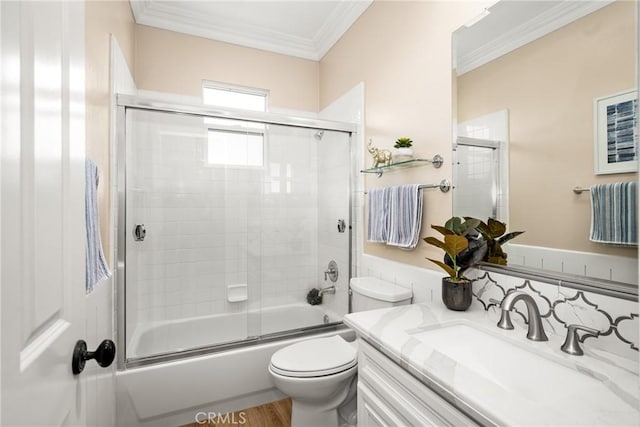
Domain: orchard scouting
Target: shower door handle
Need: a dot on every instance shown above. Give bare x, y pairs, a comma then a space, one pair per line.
139, 232
104, 355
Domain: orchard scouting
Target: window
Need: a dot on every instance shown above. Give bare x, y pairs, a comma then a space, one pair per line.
233, 148
234, 142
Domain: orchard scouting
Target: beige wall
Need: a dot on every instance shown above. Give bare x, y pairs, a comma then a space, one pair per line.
177, 63
102, 19
402, 51
549, 87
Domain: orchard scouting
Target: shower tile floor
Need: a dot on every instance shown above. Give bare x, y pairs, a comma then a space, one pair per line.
274, 414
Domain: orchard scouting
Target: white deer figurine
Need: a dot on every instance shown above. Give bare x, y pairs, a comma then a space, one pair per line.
380, 157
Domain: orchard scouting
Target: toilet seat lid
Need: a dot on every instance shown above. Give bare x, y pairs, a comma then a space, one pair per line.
314, 357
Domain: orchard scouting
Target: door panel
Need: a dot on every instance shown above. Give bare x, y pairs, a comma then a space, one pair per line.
43, 233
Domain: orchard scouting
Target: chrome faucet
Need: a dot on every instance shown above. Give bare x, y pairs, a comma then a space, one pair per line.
571, 344
535, 331
328, 290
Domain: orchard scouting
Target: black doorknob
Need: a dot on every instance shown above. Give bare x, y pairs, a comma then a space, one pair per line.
104, 355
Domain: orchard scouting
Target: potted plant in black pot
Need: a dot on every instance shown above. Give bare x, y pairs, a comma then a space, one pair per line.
463, 248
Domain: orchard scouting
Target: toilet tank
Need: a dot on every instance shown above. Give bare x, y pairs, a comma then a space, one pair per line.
370, 293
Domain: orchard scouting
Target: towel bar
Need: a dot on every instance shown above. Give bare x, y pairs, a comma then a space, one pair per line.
444, 186
578, 190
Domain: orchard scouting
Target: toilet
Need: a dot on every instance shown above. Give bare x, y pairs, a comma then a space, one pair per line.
319, 374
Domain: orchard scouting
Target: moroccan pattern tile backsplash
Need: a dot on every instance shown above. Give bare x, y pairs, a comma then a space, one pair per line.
614, 318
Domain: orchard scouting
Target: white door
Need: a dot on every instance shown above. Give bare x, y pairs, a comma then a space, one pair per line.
42, 220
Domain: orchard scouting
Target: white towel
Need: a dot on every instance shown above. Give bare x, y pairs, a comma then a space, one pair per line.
96, 265
613, 214
378, 214
405, 216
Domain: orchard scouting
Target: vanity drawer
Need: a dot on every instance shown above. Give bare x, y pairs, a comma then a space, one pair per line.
373, 412
412, 402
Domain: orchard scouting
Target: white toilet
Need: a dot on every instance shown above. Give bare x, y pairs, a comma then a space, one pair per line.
319, 374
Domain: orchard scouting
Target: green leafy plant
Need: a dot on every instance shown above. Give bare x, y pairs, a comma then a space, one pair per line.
493, 232
454, 243
403, 142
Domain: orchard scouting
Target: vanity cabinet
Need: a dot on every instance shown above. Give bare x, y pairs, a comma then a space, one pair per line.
390, 396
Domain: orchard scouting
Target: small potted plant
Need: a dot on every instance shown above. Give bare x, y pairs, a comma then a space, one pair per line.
463, 249
403, 147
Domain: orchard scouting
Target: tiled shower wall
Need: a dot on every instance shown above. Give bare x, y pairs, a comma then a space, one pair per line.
209, 227
287, 218
333, 205
350, 108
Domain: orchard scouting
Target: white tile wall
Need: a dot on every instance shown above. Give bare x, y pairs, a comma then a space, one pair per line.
600, 266
350, 108
333, 204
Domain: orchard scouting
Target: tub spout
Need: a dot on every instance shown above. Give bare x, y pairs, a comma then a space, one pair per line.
328, 290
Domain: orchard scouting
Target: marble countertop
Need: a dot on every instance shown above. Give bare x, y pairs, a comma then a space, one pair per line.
611, 394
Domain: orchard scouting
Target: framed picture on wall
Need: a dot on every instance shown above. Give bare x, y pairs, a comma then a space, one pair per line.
616, 133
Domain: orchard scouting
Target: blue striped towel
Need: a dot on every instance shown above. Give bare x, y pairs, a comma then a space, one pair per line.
96, 265
405, 216
378, 214
613, 214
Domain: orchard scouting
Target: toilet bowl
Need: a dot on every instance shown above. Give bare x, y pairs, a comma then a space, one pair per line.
317, 374
320, 374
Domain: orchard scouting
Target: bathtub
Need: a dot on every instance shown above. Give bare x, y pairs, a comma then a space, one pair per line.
173, 392
165, 337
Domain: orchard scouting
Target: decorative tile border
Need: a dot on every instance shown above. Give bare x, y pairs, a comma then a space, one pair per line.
561, 307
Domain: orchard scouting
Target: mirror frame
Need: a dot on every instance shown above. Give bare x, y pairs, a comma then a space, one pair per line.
610, 288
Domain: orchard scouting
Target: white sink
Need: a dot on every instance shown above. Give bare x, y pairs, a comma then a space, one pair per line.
498, 374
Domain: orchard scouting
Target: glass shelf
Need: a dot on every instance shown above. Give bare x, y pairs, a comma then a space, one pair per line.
379, 170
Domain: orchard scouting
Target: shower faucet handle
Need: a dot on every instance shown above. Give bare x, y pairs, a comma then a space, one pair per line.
331, 272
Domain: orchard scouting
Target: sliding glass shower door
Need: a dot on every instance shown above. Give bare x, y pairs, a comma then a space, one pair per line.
228, 226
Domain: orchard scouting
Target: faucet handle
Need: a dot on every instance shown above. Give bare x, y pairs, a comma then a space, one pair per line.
505, 320
571, 343
331, 272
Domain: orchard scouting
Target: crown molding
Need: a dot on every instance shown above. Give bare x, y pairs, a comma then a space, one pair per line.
340, 20
138, 7
179, 19
552, 19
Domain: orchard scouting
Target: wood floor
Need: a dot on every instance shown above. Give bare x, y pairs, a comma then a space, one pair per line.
274, 414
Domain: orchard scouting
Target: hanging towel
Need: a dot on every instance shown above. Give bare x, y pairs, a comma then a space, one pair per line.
378, 214
613, 214
405, 216
96, 265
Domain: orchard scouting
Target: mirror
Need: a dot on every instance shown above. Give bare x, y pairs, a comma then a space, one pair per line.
527, 75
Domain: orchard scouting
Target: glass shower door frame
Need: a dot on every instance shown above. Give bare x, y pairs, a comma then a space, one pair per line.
125, 102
